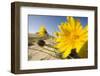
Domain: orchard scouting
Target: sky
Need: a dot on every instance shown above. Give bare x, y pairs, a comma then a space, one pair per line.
51, 23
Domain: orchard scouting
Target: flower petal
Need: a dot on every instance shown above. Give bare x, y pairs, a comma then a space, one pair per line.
71, 20
66, 53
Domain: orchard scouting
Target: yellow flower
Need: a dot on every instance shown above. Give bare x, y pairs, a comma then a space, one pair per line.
42, 31
71, 36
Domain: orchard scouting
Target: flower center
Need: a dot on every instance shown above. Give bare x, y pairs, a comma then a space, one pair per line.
74, 36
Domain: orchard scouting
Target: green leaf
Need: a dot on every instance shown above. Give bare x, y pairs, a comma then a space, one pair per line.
83, 53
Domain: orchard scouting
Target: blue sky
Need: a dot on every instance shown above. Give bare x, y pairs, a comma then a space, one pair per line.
51, 23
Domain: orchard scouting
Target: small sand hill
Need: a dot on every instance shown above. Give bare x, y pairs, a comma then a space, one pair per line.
36, 52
